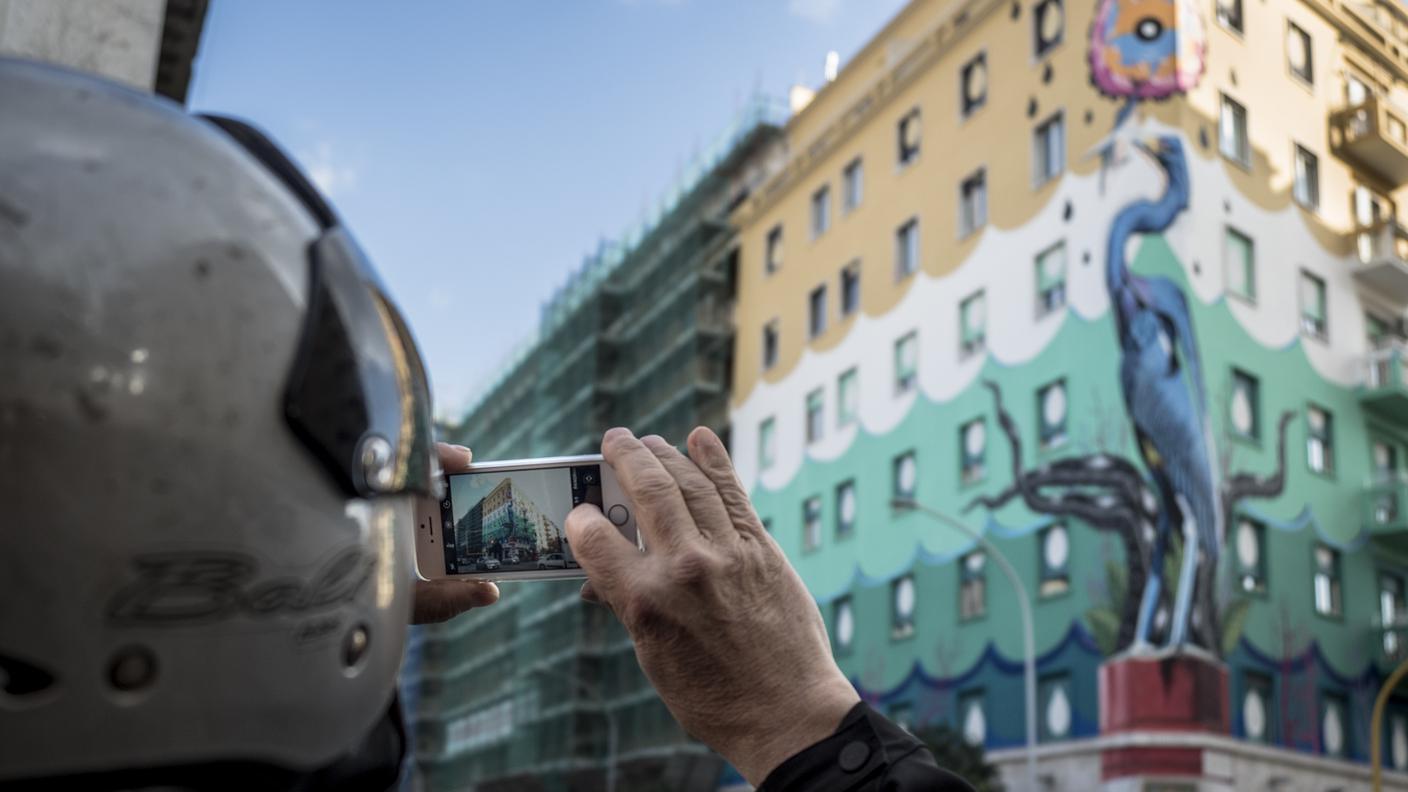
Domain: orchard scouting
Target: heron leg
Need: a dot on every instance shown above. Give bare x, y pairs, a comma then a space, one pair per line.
1153, 586
1184, 598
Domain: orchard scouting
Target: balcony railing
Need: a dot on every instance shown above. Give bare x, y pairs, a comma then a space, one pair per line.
1385, 389
1374, 135
1386, 506
1382, 264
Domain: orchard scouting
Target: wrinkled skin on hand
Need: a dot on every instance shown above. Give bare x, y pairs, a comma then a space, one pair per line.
723, 626
446, 598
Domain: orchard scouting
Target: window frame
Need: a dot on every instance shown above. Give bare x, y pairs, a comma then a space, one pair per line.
852, 185
773, 249
811, 524
1040, 47
1312, 203
1308, 78
1041, 148
1235, 25
767, 443
905, 385
815, 415
1230, 232
970, 580
972, 468
844, 530
895, 463
902, 627
845, 416
848, 602
1044, 305
975, 343
1326, 438
1266, 684
971, 220
904, 155
816, 312
1050, 438
850, 297
772, 343
1237, 375
1335, 582
1059, 577
907, 253
967, 109
1261, 571
1311, 326
1243, 156
820, 206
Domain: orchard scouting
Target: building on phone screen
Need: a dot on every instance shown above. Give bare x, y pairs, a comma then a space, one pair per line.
1121, 285
528, 694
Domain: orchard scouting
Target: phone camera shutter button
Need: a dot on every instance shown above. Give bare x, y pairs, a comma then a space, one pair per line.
618, 515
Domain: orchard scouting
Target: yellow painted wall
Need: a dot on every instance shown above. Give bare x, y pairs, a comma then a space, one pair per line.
1250, 67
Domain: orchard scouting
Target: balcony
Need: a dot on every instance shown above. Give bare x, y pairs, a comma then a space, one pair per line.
1373, 135
1385, 388
1385, 506
1382, 263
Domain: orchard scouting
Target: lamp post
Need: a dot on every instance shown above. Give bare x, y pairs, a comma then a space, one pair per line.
611, 734
1024, 605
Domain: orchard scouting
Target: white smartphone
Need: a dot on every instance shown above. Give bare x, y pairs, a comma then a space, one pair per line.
504, 520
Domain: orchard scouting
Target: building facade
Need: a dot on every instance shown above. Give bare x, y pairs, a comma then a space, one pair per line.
1121, 285
542, 691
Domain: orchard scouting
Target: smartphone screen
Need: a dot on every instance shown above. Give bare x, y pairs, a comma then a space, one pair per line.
512, 520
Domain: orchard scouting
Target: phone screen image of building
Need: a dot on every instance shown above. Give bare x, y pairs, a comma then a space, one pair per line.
513, 520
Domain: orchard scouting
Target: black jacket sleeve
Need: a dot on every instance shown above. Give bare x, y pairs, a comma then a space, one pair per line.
866, 754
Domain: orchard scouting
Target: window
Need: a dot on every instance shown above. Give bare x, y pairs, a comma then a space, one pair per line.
1307, 179
821, 211
1250, 545
1392, 613
972, 585
1312, 306
854, 179
1051, 414
1232, 132
907, 249
902, 601
906, 363
1244, 410
1229, 14
1053, 696
1054, 551
973, 84
909, 135
847, 397
1239, 257
1258, 707
975, 721
972, 450
972, 203
1048, 150
1384, 461
811, 524
1334, 724
1377, 330
815, 400
845, 509
1327, 580
850, 289
1319, 440
1049, 25
1051, 279
1356, 92
1298, 53
767, 451
843, 624
767, 524
972, 325
816, 312
769, 345
774, 250
905, 472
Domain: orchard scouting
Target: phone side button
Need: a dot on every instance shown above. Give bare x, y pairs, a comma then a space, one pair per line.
618, 515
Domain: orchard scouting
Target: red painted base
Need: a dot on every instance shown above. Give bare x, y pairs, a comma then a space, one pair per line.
1177, 692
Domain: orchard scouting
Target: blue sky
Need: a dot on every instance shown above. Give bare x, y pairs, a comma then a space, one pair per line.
479, 149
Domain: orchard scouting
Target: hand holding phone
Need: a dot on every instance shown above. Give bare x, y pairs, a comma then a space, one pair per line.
506, 520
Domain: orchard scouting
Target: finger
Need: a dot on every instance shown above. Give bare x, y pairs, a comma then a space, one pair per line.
441, 600
661, 513
605, 555
700, 494
453, 458
708, 452
589, 594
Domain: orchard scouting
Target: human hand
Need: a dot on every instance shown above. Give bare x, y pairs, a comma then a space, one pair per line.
723, 626
446, 598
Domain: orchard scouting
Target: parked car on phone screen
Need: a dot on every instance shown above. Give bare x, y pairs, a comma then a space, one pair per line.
552, 561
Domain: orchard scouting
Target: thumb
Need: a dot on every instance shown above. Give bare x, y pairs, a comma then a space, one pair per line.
600, 548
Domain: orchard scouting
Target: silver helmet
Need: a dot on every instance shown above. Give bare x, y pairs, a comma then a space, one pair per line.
213, 425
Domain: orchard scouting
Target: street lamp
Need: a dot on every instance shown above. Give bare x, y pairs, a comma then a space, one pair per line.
1024, 604
595, 695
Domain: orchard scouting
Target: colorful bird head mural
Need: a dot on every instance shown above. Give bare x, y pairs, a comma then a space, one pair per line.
1146, 49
